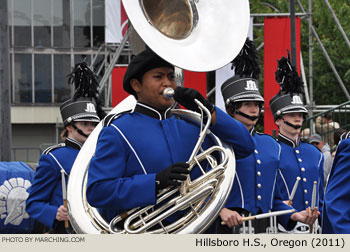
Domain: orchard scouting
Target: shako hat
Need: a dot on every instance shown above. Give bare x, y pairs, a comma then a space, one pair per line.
81, 109
289, 99
244, 85
85, 104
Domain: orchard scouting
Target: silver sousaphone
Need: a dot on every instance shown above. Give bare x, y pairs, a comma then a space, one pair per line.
196, 35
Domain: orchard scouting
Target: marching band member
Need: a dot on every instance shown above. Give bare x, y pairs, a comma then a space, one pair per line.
254, 190
45, 201
146, 150
336, 218
298, 159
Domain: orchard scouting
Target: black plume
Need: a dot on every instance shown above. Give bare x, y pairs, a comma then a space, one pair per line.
86, 85
287, 76
246, 62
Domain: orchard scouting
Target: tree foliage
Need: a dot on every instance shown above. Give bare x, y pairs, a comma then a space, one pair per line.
326, 87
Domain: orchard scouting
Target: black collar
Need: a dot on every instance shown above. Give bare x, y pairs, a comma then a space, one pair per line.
72, 143
282, 138
149, 111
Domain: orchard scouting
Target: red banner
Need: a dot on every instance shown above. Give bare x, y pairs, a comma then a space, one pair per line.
276, 43
118, 93
196, 80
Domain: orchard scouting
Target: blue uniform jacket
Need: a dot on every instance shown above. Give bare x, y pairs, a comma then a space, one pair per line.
336, 216
305, 161
136, 146
255, 180
45, 195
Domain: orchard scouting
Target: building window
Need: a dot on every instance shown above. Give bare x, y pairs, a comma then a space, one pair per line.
48, 37
98, 20
62, 90
22, 23
79, 58
82, 23
42, 23
43, 89
23, 78
61, 23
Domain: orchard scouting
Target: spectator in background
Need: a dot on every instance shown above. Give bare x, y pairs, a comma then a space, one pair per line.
326, 127
316, 140
333, 151
336, 137
305, 134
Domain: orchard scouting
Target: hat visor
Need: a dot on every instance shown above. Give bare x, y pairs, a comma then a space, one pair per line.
252, 99
313, 141
87, 119
248, 97
296, 109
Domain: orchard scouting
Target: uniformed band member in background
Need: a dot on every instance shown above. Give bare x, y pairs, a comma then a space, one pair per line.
253, 191
298, 159
336, 213
146, 150
79, 116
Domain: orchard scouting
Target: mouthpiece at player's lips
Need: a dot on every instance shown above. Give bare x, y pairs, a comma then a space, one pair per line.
168, 93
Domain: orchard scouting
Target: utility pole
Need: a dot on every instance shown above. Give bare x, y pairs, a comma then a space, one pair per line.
5, 96
293, 33
311, 78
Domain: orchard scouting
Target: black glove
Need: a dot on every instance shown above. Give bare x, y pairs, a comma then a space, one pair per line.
173, 175
186, 96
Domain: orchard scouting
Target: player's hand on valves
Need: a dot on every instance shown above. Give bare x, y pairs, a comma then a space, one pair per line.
230, 218
186, 97
173, 175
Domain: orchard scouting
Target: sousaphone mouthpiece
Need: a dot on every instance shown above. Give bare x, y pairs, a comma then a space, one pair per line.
168, 93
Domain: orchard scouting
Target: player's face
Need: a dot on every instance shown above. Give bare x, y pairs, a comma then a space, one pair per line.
295, 118
150, 91
85, 126
250, 108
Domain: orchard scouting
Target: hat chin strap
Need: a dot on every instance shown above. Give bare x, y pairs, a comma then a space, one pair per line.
79, 131
291, 125
252, 118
